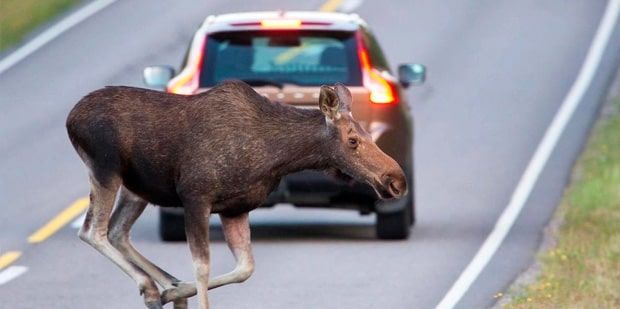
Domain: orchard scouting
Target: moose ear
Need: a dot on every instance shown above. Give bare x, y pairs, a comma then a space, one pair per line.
328, 103
344, 97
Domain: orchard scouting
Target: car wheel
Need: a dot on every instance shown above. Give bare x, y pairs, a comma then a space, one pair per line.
398, 224
171, 226
411, 198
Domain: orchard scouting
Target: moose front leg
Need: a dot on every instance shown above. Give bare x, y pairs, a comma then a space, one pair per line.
197, 214
237, 233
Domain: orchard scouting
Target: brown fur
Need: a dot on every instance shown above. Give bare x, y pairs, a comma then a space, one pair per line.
222, 151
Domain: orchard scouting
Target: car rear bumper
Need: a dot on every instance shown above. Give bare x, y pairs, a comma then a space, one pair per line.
319, 190
316, 189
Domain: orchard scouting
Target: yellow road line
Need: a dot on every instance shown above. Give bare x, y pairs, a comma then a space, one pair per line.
8, 258
330, 5
59, 221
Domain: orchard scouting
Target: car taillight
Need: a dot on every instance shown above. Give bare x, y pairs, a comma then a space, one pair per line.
187, 81
281, 23
186, 85
381, 90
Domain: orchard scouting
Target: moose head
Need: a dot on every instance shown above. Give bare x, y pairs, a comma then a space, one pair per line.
353, 152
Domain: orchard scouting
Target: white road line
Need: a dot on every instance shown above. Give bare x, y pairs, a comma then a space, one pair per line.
52, 33
11, 273
538, 161
77, 223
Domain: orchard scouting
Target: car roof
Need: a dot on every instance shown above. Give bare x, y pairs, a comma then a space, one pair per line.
309, 20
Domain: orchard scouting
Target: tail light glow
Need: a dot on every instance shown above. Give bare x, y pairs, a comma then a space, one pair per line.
281, 23
187, 81
381, 90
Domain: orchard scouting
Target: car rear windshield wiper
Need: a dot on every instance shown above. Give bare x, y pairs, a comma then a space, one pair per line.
263, 82
266, 82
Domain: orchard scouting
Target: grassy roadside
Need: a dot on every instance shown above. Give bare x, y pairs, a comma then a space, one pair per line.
19, 17
582, 270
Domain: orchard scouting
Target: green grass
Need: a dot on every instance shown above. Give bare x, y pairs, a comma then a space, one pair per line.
583, 269
19, 17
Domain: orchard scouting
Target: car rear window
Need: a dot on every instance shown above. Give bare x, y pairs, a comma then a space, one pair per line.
307, 58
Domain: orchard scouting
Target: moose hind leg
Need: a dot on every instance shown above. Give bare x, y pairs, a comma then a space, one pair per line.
127, 211
94, 231
237, 233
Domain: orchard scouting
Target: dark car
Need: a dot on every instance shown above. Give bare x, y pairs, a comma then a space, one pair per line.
287, 56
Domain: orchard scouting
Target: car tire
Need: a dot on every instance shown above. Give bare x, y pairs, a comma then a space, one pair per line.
398, 224
395, 225
412, 200
171, 226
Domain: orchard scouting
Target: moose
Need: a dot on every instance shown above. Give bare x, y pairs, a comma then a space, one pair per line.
222, 151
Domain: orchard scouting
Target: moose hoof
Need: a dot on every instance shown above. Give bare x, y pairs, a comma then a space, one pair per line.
181, 290
180, 303
154, 305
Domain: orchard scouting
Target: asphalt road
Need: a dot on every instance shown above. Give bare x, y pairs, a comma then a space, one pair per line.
499, 70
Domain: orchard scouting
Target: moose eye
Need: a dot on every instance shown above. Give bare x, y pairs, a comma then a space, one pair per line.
353, 142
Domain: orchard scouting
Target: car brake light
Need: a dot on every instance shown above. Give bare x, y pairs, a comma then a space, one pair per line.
280, 23
186, 85
187, 81
381, 90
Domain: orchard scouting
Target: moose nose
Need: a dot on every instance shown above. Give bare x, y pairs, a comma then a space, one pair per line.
395, 183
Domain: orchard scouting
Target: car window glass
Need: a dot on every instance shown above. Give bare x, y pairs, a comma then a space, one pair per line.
297, 57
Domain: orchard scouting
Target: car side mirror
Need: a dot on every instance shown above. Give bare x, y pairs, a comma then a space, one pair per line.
157, 76
411, 74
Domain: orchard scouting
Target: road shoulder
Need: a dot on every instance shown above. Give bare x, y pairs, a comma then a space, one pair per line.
536, 286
